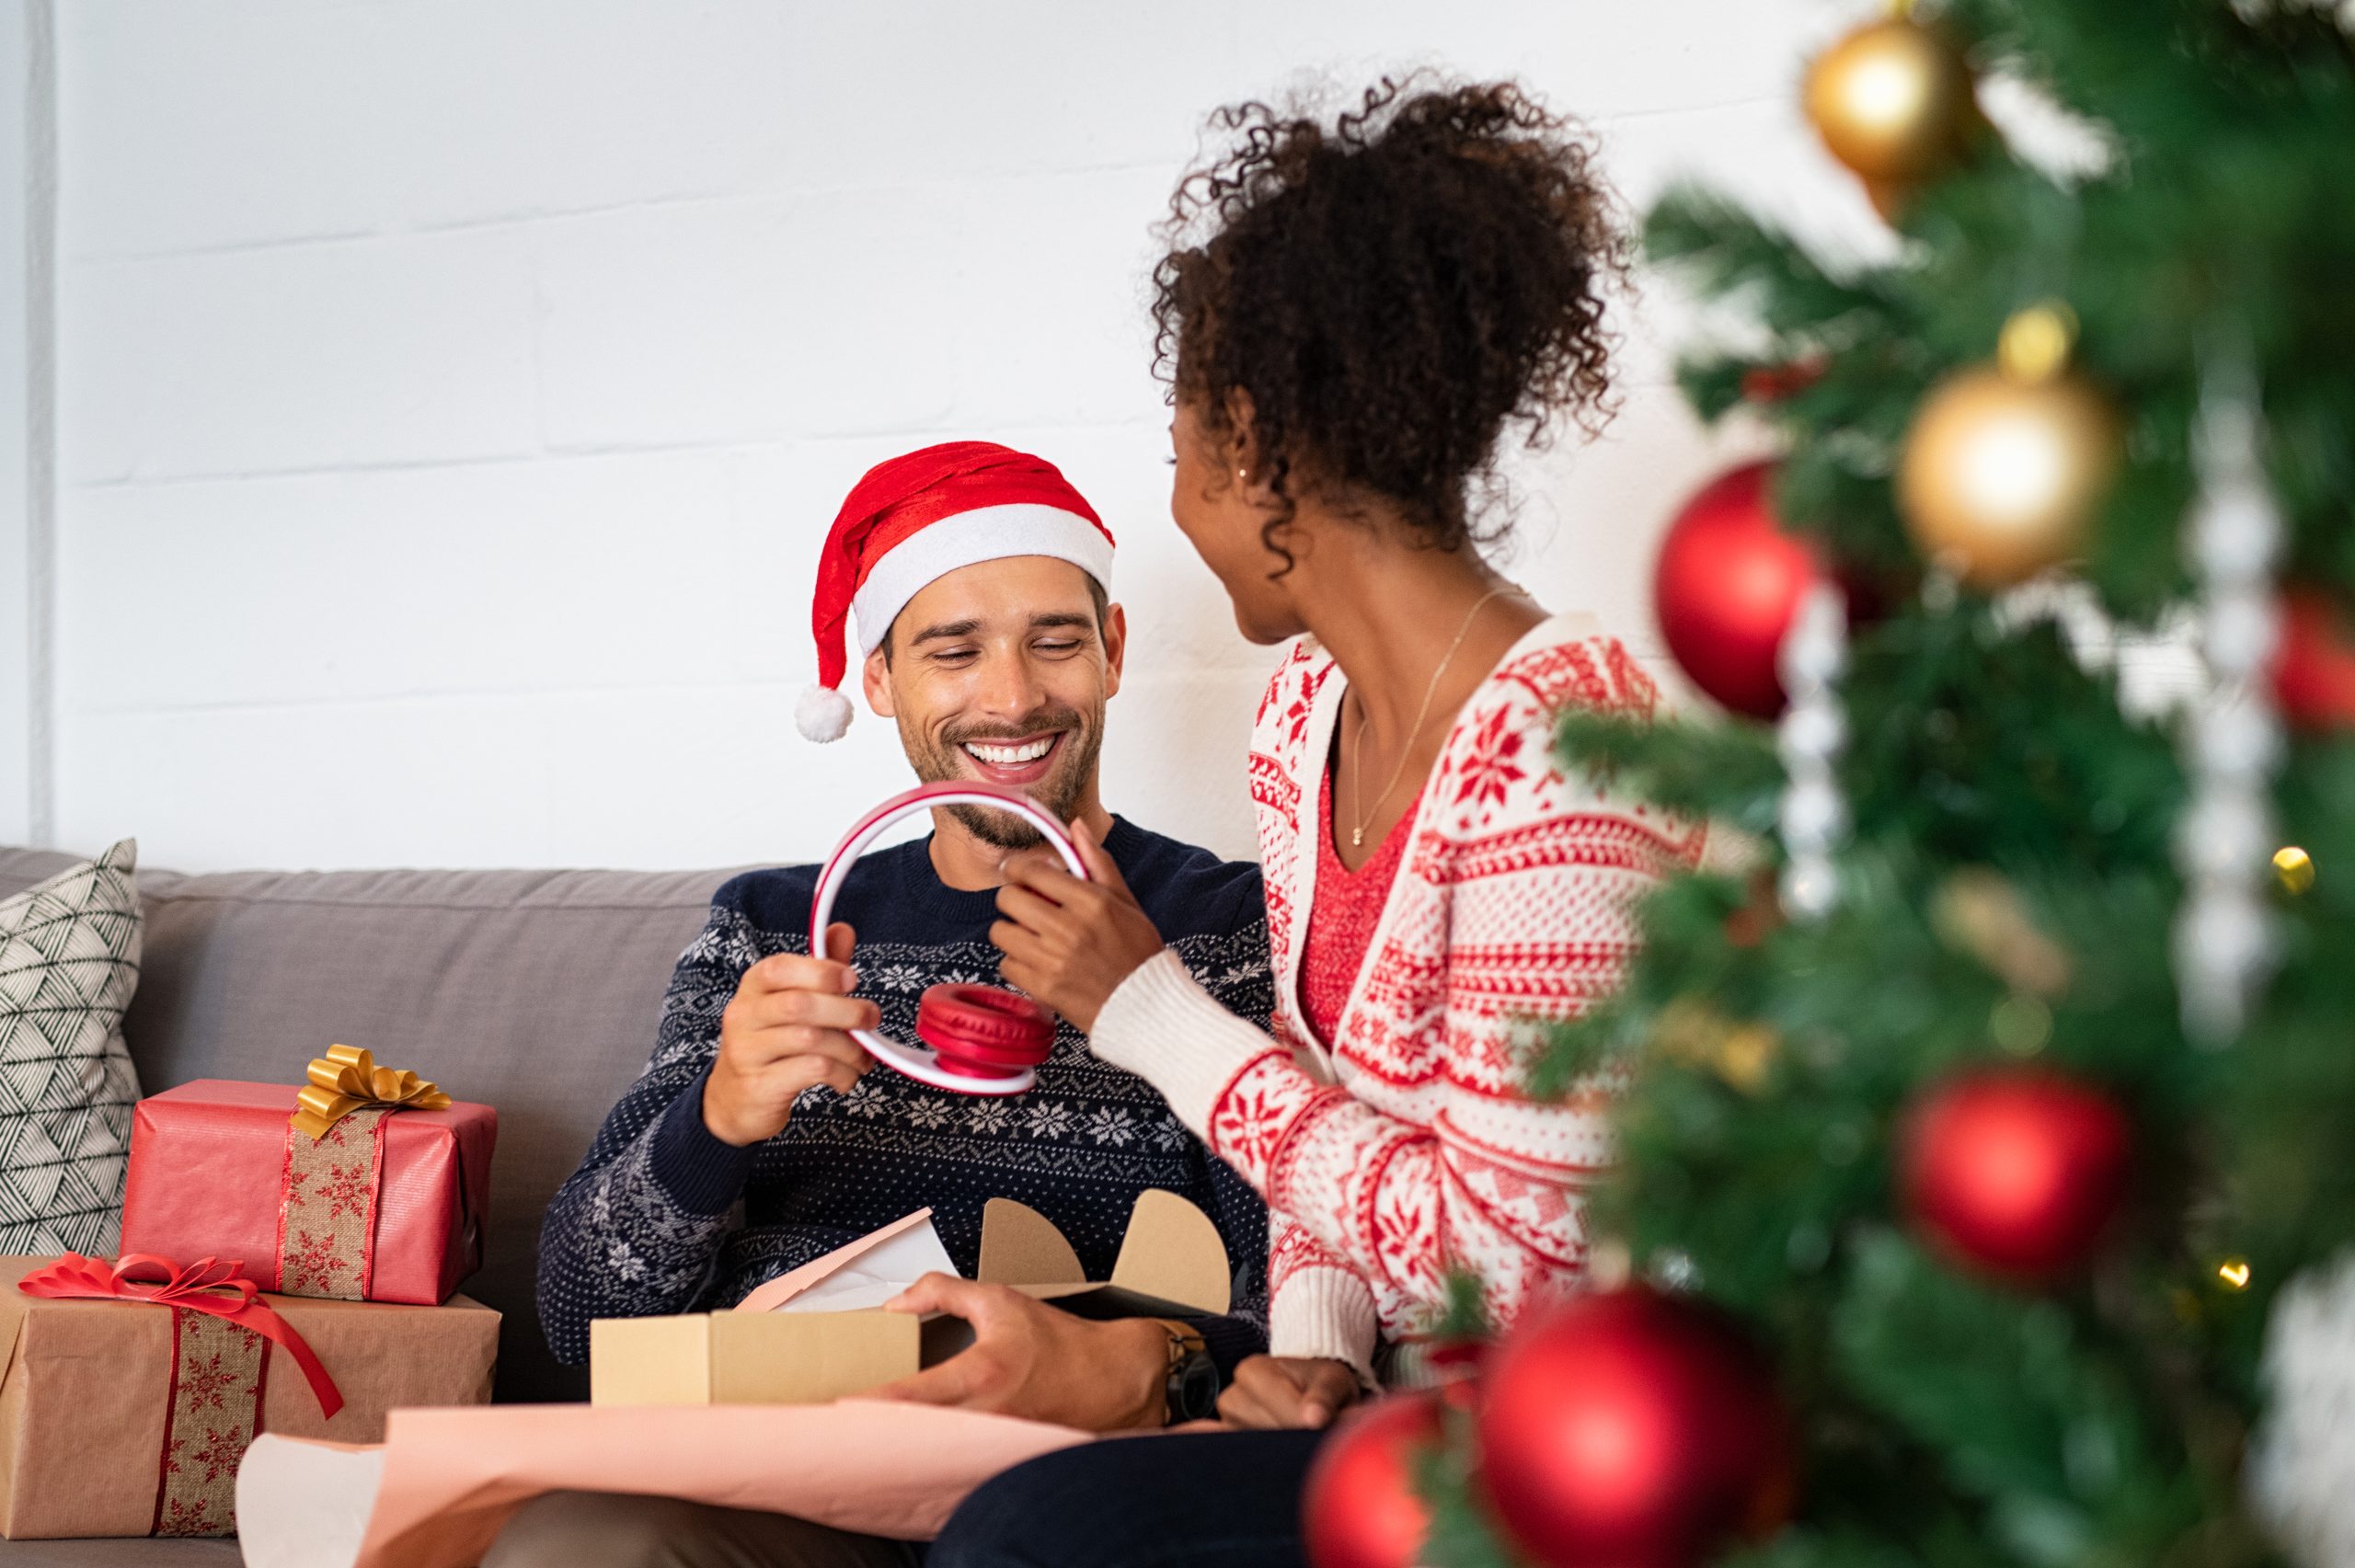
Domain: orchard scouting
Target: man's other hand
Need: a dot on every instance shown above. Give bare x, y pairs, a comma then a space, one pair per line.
1031, 1360
1285, 1391
1069, 943
784, 1031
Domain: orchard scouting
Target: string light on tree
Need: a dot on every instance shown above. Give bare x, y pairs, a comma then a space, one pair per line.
2007, 464
2293, 868
2224, 842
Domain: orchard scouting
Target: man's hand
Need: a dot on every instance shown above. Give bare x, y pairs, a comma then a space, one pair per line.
784, 1032
1269, 1391
1069, 943
1029, 1360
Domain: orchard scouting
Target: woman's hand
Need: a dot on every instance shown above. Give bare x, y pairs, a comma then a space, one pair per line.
1068, 943
1286, 1391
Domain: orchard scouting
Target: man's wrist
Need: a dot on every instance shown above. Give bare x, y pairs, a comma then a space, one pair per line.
717, 1120
1190, 1378
1147, 1353
703, 1173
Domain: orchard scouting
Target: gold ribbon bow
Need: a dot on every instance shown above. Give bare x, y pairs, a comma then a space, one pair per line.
346, 1079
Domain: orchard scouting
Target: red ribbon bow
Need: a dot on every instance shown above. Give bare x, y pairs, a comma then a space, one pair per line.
214, 1288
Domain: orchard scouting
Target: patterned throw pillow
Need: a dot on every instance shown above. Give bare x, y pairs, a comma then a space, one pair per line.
69, 958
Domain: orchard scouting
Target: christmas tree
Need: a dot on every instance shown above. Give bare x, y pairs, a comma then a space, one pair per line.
1987, 1148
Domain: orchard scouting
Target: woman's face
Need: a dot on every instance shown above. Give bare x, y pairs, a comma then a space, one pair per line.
1215, 512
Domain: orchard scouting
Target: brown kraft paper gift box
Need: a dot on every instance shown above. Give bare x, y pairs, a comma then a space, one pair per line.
1172, 1263
88, 1392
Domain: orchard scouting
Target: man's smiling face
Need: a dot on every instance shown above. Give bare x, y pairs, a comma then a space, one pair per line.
998, 672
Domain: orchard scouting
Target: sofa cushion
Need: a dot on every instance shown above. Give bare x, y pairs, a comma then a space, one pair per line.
532, 992
120, 1553
69, 958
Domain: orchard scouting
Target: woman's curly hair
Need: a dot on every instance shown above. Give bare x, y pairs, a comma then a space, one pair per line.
1391, 291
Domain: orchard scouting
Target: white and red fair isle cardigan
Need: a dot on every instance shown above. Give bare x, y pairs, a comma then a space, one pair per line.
1405, 1151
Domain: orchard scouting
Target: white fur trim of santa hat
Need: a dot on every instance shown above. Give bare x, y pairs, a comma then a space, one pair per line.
990, 533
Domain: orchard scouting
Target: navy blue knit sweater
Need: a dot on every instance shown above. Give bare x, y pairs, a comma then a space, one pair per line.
662, 1216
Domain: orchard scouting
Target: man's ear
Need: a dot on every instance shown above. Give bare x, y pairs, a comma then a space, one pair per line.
875, 677
1116, 647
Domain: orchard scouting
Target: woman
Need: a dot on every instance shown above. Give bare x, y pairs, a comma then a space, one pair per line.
1354, 316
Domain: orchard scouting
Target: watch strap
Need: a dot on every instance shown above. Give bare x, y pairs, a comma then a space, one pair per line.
1189, 1357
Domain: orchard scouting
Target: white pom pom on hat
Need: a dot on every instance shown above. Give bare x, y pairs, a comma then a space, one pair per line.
821, 713
914, 520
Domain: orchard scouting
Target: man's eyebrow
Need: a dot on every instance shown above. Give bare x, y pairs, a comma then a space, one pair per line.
1041, 622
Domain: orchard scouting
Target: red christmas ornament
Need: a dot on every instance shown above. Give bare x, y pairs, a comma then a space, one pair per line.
2314, 667
1359, 1507
2015, 1171
1727, 585
1772, 383
1630, 1429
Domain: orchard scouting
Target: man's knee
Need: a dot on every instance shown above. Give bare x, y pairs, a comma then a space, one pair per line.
592, 1529
1228, 1498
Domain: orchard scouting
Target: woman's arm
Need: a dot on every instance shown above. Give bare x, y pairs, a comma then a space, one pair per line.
1492, 1184
1320, 1309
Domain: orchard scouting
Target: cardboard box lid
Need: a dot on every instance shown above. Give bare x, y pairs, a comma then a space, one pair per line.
1172, 1260
1171, 1255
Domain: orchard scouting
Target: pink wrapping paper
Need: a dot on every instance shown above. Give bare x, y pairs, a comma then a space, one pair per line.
452, 1478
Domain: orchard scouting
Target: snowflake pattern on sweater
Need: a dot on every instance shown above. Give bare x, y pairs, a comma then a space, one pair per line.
663, 1217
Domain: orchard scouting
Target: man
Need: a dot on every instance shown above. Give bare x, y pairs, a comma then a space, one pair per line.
760, 1137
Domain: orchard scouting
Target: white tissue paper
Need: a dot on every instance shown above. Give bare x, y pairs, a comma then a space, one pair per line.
874, 1278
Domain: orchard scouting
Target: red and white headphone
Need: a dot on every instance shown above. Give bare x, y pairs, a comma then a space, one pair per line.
977, 1039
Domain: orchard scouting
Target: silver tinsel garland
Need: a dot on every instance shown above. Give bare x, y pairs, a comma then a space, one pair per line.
2223, 937
2302, 1466
1813, 731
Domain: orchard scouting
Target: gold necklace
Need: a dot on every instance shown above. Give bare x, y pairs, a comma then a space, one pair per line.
1356, 741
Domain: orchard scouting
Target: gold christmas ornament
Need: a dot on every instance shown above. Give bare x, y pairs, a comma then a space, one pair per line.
1893, 101
1977, 911
2294, 867
1889, 198
1746, 1055
1694, 1035
2005, 463
2035, 343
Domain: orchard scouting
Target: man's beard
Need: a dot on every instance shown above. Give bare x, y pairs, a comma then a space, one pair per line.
1059, 792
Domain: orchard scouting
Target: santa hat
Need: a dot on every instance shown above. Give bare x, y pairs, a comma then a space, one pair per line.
918, 518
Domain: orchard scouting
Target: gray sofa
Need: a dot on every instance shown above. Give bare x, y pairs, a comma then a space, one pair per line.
532, 991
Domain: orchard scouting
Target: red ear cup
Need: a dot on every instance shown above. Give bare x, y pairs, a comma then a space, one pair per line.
983, 1031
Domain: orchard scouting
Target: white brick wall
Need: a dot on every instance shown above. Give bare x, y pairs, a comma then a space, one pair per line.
452, 396
27, 487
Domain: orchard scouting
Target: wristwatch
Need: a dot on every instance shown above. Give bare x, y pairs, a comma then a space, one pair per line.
1190, 1392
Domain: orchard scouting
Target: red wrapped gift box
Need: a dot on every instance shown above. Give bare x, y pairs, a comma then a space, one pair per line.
387, 1206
